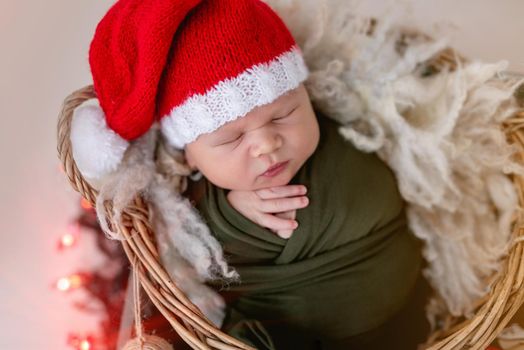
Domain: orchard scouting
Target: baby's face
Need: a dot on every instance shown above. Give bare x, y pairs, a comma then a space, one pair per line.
236, 155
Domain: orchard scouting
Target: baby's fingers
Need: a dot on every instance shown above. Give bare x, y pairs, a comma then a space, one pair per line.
281, 191
284, 233
275, 223
290, 214
278, 205
286, 215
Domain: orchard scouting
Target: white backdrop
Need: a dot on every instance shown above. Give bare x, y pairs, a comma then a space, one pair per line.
45, 45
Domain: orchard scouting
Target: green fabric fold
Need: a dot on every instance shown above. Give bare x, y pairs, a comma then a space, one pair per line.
348, 267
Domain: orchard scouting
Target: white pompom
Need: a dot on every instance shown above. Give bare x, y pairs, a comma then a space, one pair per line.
97, 150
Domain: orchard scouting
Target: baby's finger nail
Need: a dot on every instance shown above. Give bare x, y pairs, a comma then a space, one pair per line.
285, 233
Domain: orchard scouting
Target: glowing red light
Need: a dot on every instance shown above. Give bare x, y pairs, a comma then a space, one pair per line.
63, 284
70, 237
76, 280
68, 240
71, 282
81, 342
84, 203
85, 345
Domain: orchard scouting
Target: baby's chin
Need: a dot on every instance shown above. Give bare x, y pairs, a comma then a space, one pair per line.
283, 180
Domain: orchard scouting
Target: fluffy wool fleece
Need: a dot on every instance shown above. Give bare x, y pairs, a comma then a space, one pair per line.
188, 250
440, 134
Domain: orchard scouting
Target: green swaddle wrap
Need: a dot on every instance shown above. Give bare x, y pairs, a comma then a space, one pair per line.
347, 268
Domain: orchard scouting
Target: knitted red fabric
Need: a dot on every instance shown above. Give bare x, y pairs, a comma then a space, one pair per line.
127, 57
149, 57
220, 40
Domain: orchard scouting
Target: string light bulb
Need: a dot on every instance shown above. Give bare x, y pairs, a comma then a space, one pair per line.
81, 342
73, 281
84, 203
84, 345
68, 240
70, 237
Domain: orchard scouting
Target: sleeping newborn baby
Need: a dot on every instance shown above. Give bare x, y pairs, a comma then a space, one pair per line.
316, 268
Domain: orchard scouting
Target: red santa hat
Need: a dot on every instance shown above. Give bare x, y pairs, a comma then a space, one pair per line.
191, 65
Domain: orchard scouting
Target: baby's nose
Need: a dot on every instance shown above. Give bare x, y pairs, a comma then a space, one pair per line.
266, 142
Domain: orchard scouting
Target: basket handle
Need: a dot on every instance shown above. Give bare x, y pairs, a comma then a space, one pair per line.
64, 142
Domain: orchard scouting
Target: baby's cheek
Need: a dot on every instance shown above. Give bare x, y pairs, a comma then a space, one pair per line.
313, 139
303, 141
235, 177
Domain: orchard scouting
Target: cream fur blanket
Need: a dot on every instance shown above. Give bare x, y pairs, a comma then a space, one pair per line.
439, 133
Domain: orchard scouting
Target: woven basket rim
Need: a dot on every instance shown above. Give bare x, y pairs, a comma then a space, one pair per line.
494, 311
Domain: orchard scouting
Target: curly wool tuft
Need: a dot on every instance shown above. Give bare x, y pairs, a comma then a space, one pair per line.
439, 133
188, 250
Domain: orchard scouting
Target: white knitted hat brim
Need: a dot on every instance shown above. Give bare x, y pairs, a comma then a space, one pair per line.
233, 98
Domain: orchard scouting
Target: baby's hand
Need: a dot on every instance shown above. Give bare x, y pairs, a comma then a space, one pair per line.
271, 207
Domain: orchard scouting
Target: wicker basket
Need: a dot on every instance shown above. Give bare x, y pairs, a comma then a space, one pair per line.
492, 313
